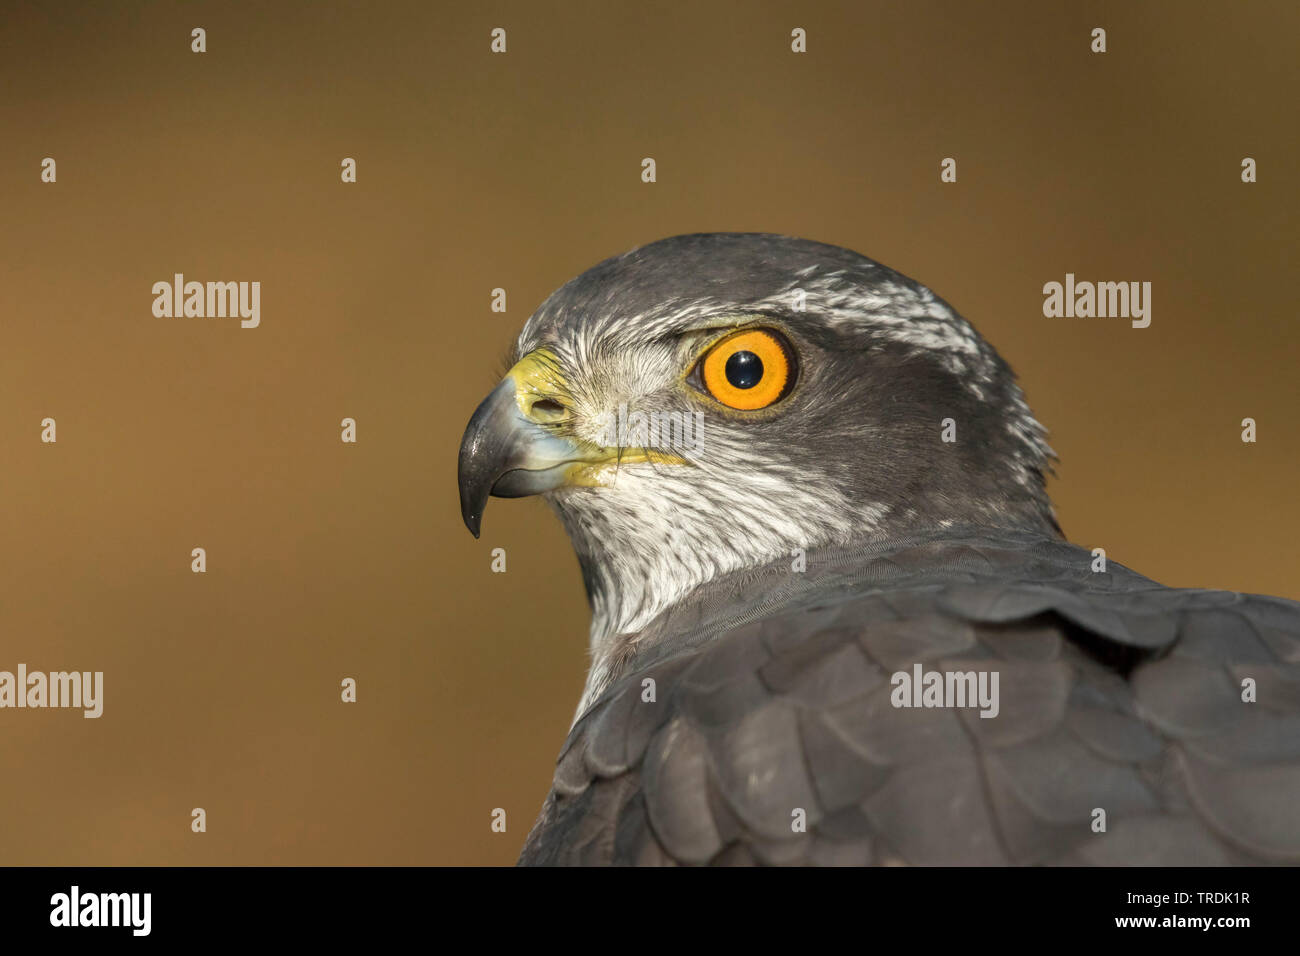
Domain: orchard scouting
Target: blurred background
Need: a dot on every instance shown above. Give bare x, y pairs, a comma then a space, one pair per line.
477, 171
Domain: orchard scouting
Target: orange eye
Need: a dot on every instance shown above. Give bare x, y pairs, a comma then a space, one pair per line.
748, 370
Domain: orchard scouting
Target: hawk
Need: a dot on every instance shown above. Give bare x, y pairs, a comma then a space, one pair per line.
834, 619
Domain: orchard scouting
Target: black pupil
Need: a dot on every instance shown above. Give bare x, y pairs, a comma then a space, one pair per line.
744, 370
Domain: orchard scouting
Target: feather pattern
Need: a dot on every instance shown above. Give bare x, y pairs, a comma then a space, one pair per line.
1116, 694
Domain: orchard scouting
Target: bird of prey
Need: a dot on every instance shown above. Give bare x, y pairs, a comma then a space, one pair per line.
834, 619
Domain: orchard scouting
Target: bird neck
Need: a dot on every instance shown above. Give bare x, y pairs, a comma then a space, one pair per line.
633, 579
639, 590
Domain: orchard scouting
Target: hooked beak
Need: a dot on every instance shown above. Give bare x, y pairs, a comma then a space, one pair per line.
514, 445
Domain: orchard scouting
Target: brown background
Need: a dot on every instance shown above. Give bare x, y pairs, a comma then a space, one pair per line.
475, 171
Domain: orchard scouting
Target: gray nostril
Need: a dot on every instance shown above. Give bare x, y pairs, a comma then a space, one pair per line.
547, 410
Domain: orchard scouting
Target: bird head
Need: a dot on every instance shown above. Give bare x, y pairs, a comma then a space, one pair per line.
710, 403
